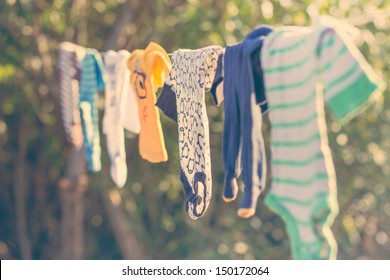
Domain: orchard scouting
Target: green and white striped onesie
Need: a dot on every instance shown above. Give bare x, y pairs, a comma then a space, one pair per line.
303, 69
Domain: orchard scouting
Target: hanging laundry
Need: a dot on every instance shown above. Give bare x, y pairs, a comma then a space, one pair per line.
244, 101
303, 69
148, 69
92, 80
120, 111
192, 74
70, 56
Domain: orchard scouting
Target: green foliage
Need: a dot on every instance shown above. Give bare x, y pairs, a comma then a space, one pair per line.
153, 197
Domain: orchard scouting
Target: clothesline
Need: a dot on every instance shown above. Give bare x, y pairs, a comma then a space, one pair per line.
103, 53
360, 20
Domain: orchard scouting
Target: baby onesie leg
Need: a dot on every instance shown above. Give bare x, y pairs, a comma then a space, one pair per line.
195, 178
151, 138
249, 201
116, 90
192, 74
308, 241
243, 144
189, 129
194, 152
91, 135
89, 112
231, 146
96, 149
253, 149
117, 154
323, 217
181, 107
110, 100
196, 198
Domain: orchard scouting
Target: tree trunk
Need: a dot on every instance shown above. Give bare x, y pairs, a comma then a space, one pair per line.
20, 186
73, 186
72, 190
124, 17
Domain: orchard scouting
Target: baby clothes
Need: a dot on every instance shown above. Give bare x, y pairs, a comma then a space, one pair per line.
69, 59
192, 74
118, 111
303, 69
243, 144
92, 80
148, 69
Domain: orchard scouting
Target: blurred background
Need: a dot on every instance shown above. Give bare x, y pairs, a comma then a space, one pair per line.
50, 208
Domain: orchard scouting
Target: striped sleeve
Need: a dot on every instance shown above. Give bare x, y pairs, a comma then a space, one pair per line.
349, 81
100, 70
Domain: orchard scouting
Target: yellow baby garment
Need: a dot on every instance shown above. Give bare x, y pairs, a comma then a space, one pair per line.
149, 68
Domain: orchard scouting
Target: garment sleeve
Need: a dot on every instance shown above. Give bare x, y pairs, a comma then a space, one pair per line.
257, 73
100, 71
348, 80
167, 102
158, 63
216, 90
